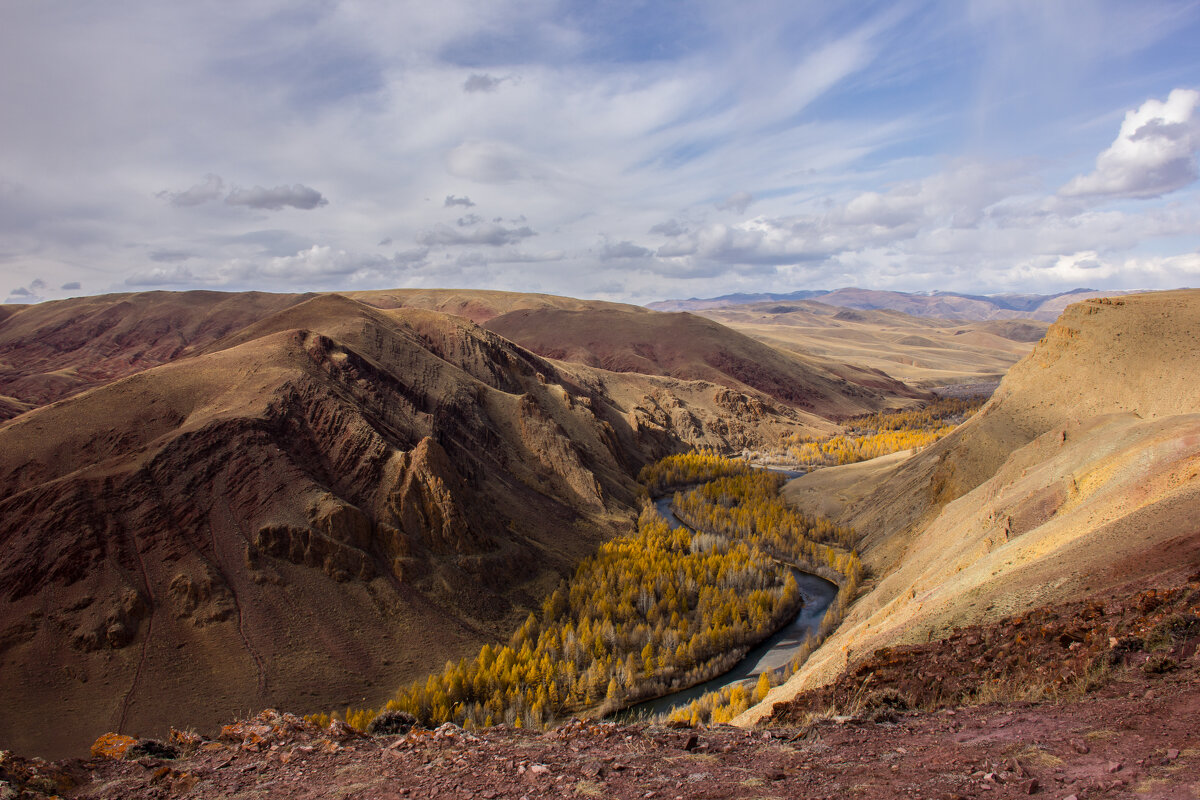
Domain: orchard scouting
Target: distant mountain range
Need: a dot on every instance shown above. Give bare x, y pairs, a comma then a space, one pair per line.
947, 305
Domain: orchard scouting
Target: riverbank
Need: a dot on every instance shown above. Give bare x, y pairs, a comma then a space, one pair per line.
774, 653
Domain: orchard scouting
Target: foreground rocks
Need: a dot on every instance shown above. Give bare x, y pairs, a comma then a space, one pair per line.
1136, 737
1116, 682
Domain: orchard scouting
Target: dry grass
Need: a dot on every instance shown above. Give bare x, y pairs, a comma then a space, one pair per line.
586, 788
1037, 757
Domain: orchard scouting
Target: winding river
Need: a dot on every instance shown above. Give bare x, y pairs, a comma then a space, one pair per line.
773, 653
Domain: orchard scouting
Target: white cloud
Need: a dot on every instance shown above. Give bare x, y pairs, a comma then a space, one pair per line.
612, 132
165, 276
492, 162
1154, 152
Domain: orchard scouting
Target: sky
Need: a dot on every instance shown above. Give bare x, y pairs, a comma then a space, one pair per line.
621, 150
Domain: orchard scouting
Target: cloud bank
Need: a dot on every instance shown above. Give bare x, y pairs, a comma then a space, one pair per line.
626, 151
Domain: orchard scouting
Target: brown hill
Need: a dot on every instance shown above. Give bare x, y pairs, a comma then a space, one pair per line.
53, 350
920, 351
1080, 475
480, 305
689, 347
310, 503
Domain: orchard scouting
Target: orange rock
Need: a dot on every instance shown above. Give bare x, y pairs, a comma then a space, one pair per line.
112, 746
245, 730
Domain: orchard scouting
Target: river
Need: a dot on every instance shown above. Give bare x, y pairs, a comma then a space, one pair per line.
773, 653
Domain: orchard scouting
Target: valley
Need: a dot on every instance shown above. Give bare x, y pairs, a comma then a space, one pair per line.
188, 522
434, 454
508, 401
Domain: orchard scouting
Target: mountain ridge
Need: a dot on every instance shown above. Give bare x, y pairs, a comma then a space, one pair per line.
946, 305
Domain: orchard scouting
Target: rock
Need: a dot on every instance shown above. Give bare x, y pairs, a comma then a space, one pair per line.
1031, 786
249, 734
112, 746
1080, 747
691, 743
1113, 766
340, 731
1172, 754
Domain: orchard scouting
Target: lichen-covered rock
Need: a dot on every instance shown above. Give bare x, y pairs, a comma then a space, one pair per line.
112, 746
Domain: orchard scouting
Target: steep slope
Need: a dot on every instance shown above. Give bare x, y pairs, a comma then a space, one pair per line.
318, 507
689, 347
1082, 474
1130, 355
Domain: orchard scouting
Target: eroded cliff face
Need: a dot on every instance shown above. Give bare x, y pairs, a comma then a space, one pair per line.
318, 507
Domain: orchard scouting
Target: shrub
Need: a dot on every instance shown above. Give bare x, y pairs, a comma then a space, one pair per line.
390, 723
152, 748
